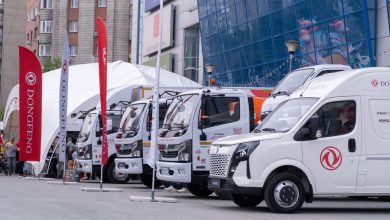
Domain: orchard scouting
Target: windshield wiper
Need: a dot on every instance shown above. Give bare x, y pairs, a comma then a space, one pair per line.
281, 93
269, 129
167, 126
256, 130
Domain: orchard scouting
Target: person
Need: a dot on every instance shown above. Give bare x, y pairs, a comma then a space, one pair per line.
69, 146
21, 163
11, 155
347, 118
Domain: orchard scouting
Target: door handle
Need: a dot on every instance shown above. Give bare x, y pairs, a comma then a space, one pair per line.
352, 145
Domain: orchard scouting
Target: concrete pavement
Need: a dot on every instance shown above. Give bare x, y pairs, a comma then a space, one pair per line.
33, 200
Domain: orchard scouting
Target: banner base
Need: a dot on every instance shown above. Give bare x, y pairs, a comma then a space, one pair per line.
85, 189
38, 178
62, 183
149, 199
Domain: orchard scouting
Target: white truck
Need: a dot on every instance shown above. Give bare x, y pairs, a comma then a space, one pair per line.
195, 119
295, 80
132, 141
89, 149
331, 138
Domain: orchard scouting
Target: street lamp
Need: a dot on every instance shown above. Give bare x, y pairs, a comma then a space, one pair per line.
292, 46
210, 69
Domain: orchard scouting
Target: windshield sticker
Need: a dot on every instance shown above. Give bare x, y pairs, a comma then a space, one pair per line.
331, 158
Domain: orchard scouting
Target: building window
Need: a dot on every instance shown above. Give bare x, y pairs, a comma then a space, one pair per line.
1, 2
73, 50
74, 3
46, 27
44, 50
73, 26
46, 4
102, 3
191, 53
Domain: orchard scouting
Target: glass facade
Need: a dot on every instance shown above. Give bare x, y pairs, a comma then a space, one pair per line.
245, 39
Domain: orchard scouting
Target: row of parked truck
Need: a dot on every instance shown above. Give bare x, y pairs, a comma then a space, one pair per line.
323, 130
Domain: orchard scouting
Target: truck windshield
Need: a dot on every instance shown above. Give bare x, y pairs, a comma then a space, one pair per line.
132, 117
292, 82
286, 115
179, 112
87, 127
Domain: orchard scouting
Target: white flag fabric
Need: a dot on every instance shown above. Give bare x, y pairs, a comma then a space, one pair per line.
156, 97
63, 100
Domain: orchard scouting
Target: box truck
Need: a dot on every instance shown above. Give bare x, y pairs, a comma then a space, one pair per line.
195, 119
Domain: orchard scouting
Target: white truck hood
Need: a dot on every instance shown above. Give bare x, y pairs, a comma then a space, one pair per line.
237, 139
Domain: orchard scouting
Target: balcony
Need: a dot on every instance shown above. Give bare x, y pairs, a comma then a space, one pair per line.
1, 23
1, 7
45, 38
46, 14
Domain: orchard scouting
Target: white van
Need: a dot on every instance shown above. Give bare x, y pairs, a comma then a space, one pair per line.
294, 81
333, 138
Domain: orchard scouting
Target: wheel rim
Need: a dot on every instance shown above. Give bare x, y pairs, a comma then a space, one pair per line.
286, 194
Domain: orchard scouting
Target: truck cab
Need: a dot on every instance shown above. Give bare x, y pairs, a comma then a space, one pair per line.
89, 148
133, 138
297, 79
329, 139
193, 120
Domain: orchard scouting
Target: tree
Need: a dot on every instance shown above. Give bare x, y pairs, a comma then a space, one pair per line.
51, 64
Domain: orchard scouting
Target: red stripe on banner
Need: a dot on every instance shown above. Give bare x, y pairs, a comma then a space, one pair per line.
30, 105
102, 53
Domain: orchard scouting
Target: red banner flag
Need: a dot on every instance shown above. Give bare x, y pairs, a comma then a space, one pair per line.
102, 53
30, 105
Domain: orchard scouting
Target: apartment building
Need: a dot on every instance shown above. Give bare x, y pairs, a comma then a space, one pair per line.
48, 20
12, 29
181, 50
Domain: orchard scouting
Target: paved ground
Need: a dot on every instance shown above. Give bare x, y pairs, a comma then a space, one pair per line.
33, 199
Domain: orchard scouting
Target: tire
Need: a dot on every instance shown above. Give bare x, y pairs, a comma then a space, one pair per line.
222, 196
199, 190
147, 180
114, 177
244, 200
284, 193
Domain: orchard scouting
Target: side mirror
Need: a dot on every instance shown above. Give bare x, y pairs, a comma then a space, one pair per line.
99, 142
203, 137
98, 133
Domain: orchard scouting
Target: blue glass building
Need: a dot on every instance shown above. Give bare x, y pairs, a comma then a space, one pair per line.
245, 39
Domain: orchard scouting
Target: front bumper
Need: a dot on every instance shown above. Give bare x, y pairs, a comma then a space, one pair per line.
227, 185
129, 165
84, 165
174, 172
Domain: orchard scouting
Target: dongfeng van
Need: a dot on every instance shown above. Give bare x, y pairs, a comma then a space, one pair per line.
332, 138
297, 79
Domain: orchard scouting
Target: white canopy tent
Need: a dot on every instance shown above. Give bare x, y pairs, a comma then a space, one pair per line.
83, 94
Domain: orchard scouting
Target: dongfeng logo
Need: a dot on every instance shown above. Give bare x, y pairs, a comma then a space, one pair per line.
31, 79
375, 83
331, 158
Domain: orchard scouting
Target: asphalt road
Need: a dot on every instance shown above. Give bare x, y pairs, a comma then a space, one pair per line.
34, 199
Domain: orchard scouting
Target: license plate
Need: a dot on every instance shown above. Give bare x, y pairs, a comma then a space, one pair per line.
164, 170
215, 183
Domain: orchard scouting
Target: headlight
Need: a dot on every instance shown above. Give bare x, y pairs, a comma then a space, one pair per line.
244, 150
185, 149
136, 149
85, 152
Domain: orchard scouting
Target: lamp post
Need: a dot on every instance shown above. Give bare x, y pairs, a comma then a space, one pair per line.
210, 69
292, 46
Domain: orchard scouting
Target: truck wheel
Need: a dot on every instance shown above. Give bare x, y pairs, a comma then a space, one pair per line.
147, 180
118, 178
284, 193
199, 190
222, 196
244, 200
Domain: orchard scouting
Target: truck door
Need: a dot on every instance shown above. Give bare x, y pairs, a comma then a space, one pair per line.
333, 156
218, 117
376, 159
96, 138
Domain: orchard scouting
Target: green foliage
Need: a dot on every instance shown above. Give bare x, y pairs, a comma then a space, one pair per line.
51, 64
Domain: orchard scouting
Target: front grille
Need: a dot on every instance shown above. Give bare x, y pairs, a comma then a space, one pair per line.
169, 154
219, 164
